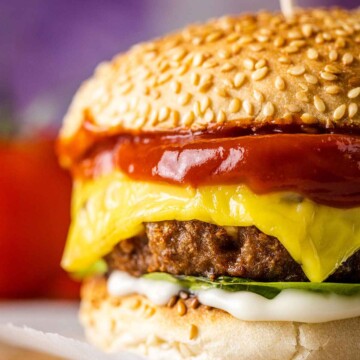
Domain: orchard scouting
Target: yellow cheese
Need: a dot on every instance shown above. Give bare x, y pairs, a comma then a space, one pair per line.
113, 208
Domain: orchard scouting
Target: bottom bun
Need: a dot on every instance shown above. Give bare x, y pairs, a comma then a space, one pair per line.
161, 332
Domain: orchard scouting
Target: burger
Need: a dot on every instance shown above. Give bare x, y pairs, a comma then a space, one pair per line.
216, 198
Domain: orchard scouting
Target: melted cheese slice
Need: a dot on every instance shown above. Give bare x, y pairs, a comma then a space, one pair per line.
113, 208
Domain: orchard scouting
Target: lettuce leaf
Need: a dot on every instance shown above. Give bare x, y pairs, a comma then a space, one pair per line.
267, 289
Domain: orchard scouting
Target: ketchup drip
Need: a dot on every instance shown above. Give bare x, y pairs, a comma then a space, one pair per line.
322, 167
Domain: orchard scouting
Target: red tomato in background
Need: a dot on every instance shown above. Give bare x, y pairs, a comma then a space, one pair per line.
34, 220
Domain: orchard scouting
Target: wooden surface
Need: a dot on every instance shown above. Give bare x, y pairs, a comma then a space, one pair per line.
8, 352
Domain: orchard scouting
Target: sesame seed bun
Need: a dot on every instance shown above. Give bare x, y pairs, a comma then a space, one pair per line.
252, 69
160, 332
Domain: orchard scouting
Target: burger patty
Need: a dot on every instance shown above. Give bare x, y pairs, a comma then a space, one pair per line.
202, 249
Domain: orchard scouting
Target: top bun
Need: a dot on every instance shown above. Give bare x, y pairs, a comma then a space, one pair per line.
254, 69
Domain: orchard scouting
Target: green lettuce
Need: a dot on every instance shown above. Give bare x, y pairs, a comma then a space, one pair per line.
266, 289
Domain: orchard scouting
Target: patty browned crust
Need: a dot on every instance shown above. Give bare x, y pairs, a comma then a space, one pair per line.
202, 249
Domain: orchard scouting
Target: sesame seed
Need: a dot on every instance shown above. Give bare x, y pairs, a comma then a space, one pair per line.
308, 118
296, 70
181, 307
184, 98
239, 80
307, 30
198, 59
235, 105
206, 78
354, 93
194, 303
149, 311
340, 43
327, 76
269, 109
163, 66
319, 39
291, 49
193, 332
333, 55
347, 59
195, 78
163, 78
302, 96
319, 103
183, 69
311, 79
284, 60
224, 54
353, 109
258, 96
227, 67
197, 40
261, 63
262, 38
248, 107
304, 87
221, 91
249, 64
260, 73
164, 113
295, 34
204, 87
135, 304
214, 36
153, 117
312, 54
279, 41
256, 47
339, 112
332, 69
246, 39
204, 103
280, 83
174, 117
188, 118
293, 108
211, 63
221, 117
327, 36
175, 87
298, 43
196, 108
179, 54
209, 115
333, 89
140, 121
235, 49
126, 88
232, 37
287, 118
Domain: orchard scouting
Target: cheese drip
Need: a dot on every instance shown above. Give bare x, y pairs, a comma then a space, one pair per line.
114, 207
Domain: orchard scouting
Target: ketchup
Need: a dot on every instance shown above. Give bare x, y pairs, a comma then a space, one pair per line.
322, 167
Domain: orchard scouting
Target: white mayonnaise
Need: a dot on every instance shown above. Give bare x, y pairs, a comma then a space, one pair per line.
289, 305
159, 292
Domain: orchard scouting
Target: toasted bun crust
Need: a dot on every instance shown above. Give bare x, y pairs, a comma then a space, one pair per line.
251, 68
134, 323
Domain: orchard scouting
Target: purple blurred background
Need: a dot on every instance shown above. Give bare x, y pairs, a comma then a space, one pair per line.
48, 47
